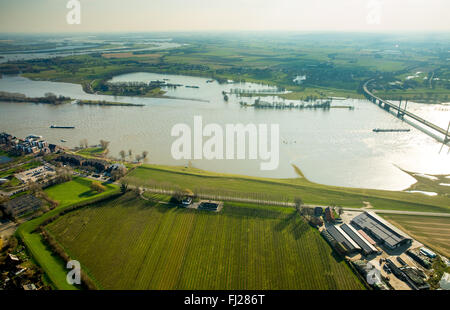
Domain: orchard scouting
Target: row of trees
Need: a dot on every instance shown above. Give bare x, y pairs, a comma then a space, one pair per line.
85, 280
49, 98
123, 154
326, 105
143, 156
212, 192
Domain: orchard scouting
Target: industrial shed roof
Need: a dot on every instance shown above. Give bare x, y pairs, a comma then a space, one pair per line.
363, 243
380, 228
342, 237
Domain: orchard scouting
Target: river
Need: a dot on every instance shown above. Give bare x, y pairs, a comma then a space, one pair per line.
335, 147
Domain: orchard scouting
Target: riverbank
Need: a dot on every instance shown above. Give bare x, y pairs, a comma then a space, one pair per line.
197, 180
48, 99
56, 100
106, 103
93, 78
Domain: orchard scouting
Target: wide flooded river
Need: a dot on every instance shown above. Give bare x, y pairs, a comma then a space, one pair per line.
335, 146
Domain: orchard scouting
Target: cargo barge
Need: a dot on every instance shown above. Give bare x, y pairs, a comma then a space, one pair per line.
390, 130
62, 127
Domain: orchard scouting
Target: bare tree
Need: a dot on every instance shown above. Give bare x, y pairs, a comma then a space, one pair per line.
34, 187
299, 205
3, 199
63, 174
104, 144
144, 156
122, 155
84, 143
130, 153
118, 173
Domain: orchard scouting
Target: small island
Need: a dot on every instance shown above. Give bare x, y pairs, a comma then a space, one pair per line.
51, 98
107, 103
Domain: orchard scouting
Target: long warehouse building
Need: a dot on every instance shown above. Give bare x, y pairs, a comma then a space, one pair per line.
366, 247
381, 230
340, 236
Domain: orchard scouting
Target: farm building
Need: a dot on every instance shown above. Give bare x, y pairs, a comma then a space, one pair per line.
427, 252
318, 211
208, 205
382, 231
328, 237
362, 233
340, 236
366, 247
423, 262
329, 215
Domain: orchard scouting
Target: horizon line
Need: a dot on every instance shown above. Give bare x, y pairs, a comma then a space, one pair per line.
233, 31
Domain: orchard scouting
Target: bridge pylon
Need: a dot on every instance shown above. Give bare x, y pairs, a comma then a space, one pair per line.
400, 113
447, 136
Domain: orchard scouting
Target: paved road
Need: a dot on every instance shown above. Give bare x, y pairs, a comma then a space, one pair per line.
292, 205
400, 212
431, 80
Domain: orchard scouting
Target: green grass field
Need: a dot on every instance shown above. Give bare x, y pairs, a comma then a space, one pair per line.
91, 151
69, 193
130, 243
283, 189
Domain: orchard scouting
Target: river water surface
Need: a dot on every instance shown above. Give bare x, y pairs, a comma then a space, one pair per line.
335, 147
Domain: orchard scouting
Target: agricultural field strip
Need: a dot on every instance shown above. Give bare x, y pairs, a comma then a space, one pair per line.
179, 249
53, 265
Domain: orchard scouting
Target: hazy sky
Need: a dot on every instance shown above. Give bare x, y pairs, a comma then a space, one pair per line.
210, 15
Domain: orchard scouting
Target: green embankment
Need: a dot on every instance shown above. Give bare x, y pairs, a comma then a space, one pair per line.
130, 243
91, 151
283, 189
69, 193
